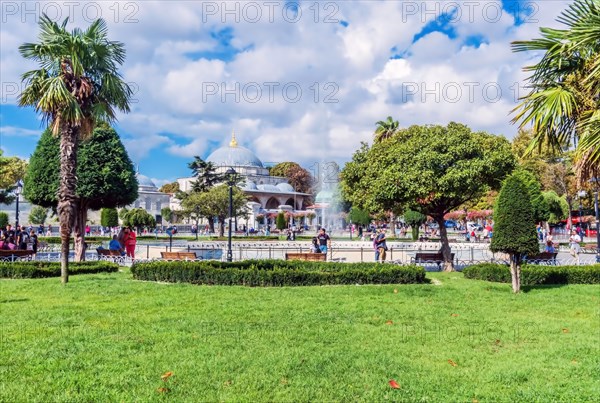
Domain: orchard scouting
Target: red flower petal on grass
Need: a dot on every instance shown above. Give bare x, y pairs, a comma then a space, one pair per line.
389, 322
394, 384
166, 376
452, 363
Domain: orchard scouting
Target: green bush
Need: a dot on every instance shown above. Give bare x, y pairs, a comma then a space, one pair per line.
276, 273
42, 269
536, 274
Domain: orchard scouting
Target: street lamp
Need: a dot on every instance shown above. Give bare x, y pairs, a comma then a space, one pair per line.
18, 191
581, 194
230, 175
596, 180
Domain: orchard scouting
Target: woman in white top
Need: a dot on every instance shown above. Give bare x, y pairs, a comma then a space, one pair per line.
574, 247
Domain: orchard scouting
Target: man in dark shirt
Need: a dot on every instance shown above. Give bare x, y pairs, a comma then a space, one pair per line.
324, 240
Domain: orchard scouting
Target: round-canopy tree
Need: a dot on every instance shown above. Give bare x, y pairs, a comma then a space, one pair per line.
429, 169
514, 229
109, 217
415, 220
299, 178
106, 177
76, 85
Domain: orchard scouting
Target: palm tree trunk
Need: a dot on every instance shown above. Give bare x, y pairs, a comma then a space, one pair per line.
79, 231
67, 199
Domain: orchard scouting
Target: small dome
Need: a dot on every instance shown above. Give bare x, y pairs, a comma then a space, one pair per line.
285, 187
324, 196
269, 188
250, 186
144, 181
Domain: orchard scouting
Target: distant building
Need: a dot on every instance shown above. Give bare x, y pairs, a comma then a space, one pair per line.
267, 194
150, 198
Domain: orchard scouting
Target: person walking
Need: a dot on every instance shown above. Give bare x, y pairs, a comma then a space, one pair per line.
380, 241
324, 241
574, 246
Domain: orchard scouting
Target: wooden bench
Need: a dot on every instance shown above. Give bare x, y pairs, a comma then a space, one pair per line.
424, 257
311, 257
179, 255
108, 252
542, 257
589, 249
430, 257
17, 254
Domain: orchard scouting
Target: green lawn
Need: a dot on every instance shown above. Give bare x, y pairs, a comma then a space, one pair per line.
109, 338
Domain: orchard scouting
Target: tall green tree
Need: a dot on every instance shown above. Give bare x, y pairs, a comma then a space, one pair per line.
429, 169
138, 218
205, 173
109, 217
166, 213
563, 106
106, 177
215, 203
194, 209
38, 215
386, 128
12, 169
281, 223
415, 220
359, 216
538, 203
77, 84
3, 219
514, 229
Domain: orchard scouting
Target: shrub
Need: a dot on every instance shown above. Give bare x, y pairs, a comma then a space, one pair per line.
42, 269
3, 219
536, 274
276, 273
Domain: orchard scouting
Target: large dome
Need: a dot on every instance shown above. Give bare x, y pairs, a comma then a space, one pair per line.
234, 156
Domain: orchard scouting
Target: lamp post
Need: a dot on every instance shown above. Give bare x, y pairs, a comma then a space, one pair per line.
230, 174
581, 194
596, 180
18, 191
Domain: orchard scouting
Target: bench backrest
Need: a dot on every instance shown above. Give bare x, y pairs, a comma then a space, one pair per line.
108, 252
431, 256
178, 255
315, 257
543, 256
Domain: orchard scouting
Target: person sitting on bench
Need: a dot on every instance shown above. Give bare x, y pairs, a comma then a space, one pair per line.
116, 245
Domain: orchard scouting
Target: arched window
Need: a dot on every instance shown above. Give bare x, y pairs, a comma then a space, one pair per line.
272, 204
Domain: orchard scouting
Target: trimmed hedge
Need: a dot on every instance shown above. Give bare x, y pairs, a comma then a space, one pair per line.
41, 269
535, 274
276, 273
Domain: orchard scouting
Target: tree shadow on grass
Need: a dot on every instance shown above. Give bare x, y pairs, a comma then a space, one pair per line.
527, 288
6, 301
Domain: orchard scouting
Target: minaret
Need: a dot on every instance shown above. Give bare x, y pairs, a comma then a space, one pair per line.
233, 142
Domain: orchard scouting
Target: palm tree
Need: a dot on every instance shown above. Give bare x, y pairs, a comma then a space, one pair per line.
385, 128
563, 105
76, 86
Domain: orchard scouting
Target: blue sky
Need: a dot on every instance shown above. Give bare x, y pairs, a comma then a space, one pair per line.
299, 81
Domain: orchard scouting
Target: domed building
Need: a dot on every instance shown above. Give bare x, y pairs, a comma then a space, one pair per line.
149, 197
267, 194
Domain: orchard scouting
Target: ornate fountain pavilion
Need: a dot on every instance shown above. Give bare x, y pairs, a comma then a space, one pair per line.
267, 194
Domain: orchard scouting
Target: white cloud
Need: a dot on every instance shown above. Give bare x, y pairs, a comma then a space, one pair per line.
176, 111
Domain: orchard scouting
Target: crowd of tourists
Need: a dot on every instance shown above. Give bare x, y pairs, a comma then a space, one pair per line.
18, 238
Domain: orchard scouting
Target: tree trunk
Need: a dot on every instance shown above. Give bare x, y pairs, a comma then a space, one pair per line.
67, 199
515, 271
211, 225
393, 224
414, 230
79, 231
446, 252
221, 227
